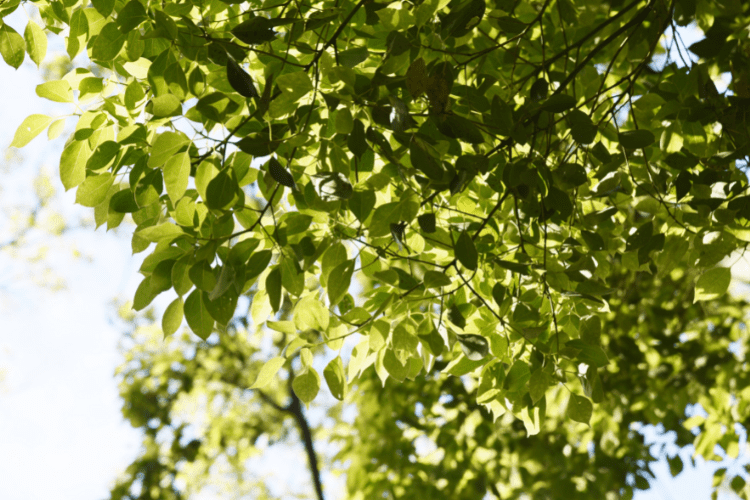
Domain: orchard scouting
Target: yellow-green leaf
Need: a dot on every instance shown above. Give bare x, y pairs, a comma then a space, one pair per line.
173, 316
267, 372
36, 42
56, 91
31, 127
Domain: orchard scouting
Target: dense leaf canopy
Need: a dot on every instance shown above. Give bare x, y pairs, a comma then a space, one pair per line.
533, 196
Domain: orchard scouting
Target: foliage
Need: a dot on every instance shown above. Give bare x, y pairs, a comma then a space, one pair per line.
446, 184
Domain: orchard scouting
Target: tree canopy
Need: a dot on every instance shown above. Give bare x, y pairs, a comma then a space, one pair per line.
535, 197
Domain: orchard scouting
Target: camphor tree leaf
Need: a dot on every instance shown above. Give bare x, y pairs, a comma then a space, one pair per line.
636, 139
36, 42
108, 43
579, 409
177, 175
280, 174
582, 128
11, 46
173, 316
475, 347
335, 378
56, 91
306, 385
198, 318
427, 222
165, 147
273, 288
240, 80
31, 127
267, 372
94, 189
466, 252
333, 186
712, 284
339, 281
255, 30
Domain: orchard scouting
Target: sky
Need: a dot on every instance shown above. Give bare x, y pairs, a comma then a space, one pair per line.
62, 436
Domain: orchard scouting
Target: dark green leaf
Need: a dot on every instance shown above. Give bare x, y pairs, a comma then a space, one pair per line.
466, 252
273, 288
636, 139
240, 80
579, 409
475, 347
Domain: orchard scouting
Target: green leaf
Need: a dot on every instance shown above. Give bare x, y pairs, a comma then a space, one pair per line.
383, 217
255, 30
456, 317
221, 191
198, 318
73, 163
31, 127
712, 284
582, 128
165, 231
267, 372
436, 279
165, 147
306, 385
108, 43
557, 103
177, 175
636, 139
427, 222
173, 316
538, 384
416, 78
339, 281
11, 46
94, 189
475, 347
361, 204
240, 80
423, 161
36, 42
462, 365
257, 263
395, 368
56, 91
579, 409
292, 278
466, 252
144, 295
55, 129
309, 313
78, 33
280, 174
675, 465
166, 105
273, 288
335, 378
589, 354
498, 293
131, 16
295, 85
353, 57
517, 377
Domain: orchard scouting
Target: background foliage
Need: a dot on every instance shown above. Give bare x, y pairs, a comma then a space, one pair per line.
532, 196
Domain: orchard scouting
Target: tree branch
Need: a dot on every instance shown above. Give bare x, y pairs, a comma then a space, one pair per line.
295, 408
